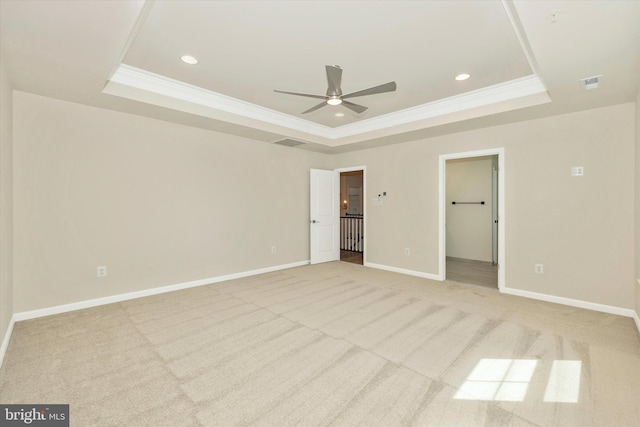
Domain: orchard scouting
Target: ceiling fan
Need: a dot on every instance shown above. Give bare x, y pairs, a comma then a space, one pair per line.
334, 94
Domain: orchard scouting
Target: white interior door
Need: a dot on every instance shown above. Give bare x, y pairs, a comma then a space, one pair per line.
324, 223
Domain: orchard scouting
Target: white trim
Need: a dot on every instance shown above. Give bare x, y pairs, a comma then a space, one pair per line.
442, 192
155, 291
403, 271
137, 27
145, 86
25, 315
6, 339
364, 205
626, 312
147, 81
512, 13
506, 91
636, 315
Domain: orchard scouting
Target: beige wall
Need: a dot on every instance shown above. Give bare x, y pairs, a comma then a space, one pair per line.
157, 203
637, 211
469, 227
6, 205
154, 202
581, 229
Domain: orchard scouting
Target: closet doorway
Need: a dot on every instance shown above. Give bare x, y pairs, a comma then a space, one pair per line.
471, 248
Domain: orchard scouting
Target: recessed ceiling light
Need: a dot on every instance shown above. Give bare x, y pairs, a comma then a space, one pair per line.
463, 76
339, 114
189, 59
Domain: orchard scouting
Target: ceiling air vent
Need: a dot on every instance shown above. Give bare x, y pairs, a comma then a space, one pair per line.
289, 142
590, 82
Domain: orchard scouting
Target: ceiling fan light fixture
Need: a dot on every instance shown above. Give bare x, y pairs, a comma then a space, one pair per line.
463, 76
334, 92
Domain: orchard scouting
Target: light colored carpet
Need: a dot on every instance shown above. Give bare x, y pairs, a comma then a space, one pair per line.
334, 344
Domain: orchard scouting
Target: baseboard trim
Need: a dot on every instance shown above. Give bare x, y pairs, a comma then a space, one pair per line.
171, 288
6, 339
33, 314
636, 315
528, 294
610, 309
403, 271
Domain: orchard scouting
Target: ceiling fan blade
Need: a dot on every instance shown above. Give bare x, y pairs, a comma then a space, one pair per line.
301, 94
354, 107
334, 78
317, 107
387, 87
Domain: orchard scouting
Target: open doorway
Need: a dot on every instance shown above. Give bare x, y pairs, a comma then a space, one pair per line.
352, 205
471, 219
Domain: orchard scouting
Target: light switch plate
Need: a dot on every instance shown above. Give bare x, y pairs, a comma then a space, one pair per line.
577, 171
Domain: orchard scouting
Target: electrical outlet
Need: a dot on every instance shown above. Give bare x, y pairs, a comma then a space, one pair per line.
539, 268
102, 271
577, 171
407, 251
273, 249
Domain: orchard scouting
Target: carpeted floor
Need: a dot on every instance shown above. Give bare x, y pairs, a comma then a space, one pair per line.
332, 344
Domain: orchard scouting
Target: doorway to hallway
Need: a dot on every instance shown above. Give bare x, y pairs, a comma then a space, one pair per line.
352, 206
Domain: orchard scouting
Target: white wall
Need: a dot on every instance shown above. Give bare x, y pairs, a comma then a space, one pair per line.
157, 203
581, 229
469, 226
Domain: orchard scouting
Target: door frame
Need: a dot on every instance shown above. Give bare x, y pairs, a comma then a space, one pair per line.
442, 237
364, 206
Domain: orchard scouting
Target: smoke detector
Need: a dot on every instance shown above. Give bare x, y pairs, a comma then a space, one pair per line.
589, 83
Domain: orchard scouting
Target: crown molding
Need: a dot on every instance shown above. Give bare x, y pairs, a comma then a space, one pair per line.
147, 81
145, 86
491, 95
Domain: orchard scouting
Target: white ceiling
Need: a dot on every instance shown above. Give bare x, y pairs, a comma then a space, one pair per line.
526, 59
